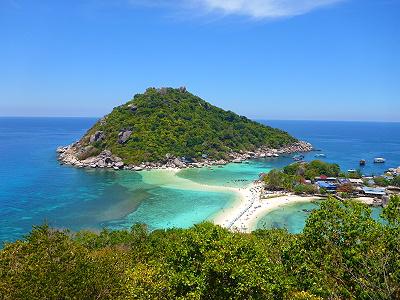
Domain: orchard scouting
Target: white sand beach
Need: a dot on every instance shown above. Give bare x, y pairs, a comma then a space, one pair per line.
244, 215
241, 215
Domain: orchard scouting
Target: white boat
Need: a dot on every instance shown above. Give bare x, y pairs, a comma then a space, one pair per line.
379, 160
298, 157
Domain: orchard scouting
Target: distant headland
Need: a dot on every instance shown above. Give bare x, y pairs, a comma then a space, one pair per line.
172, 128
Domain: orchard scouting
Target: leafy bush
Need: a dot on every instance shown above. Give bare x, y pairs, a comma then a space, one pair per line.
276, 180
305, 189
381, 181
346, 188
342, 254
312, 169
395, 181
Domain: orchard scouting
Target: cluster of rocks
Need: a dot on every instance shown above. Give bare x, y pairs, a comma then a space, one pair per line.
69, 155
124, 136
96, 137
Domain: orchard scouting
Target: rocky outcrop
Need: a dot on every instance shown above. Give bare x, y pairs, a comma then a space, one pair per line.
70, 156
124, 136
96, 137
178, 163
132, 107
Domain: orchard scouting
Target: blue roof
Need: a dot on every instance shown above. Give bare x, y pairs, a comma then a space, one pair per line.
326, 185
344, 180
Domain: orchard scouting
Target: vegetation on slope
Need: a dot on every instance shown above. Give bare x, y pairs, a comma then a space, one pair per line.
342, 254
174, 121
292, 177
310, 170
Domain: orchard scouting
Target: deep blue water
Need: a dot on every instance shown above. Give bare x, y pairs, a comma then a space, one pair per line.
347, 143
34, 188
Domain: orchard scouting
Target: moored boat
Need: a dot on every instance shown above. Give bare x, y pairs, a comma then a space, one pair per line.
362, 162
379, 160
298, 157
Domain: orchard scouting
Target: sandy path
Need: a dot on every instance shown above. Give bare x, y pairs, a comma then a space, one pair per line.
243, 214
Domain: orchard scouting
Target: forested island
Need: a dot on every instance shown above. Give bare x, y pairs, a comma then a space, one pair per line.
169, 127
343, 253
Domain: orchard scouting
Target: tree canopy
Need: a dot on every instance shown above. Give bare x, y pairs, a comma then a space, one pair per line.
343, 253
310, 170
176, 122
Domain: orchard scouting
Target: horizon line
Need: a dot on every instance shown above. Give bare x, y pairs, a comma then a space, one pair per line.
251, 118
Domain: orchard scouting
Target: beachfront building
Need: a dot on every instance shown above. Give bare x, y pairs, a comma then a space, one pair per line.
376, 192
356, 182
328, 186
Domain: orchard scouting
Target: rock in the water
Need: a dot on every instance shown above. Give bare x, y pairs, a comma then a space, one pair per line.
96, 137
119, 164
179, 163
123, 136
62, 149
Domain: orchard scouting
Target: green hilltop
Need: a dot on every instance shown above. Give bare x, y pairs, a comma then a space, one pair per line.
173, 122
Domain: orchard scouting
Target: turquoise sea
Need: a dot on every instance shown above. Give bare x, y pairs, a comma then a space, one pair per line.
293, 216
34, 188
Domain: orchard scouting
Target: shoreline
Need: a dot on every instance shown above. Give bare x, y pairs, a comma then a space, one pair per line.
244, 216
69, 155
245, 210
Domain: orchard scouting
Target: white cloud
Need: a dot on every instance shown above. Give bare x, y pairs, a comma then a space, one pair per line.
252, 8
265, 8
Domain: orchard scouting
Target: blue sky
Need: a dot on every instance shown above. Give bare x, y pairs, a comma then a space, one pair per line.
270, 59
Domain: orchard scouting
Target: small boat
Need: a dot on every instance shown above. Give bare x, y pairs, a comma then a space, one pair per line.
362, 162
320, 155
351, 171
379, 160
298, 157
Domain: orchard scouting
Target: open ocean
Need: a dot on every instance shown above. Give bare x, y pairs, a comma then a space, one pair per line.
35, 189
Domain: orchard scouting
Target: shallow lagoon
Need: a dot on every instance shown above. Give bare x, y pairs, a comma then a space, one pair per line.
34, 188
293, 216
234, 175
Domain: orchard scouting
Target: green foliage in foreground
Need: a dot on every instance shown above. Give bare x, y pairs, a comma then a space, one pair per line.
310, 170
174, 121
342, 254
